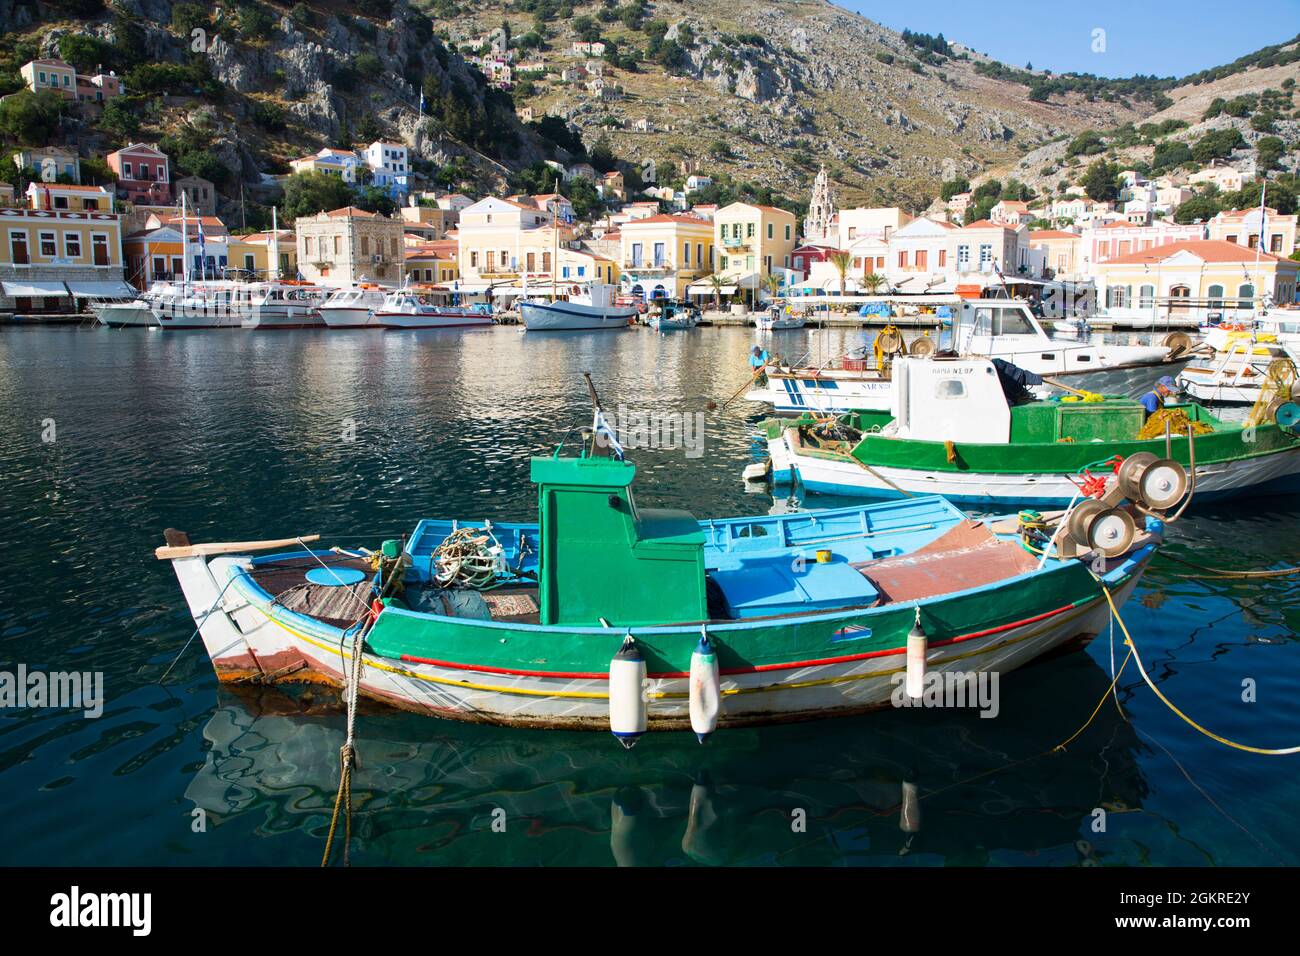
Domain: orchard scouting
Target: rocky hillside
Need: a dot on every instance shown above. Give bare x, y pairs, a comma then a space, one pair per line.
761, 93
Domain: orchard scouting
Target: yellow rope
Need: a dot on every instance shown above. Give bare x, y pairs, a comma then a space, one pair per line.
1133, 652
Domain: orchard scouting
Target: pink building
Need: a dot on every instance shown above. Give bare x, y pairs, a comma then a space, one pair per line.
1123, 238
143, 174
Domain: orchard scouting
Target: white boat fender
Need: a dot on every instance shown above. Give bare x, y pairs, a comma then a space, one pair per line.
627, 837
627, 706
706, 693
917, 645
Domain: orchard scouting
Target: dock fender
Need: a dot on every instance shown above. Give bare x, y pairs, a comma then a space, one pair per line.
706, 694
627, 703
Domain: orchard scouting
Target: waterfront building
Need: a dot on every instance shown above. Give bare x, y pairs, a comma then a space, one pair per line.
1244, 227
1101, 242
918, 256
753, 241
349, 245
1195, 277
502, 241
251, 254
1062, 252
143, 173
432, 262
662, 255
49, 256
985, 247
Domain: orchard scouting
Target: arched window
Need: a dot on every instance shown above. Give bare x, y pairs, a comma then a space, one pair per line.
1216, 296
1117, 296
1245, 296
1178, 292
1146, 296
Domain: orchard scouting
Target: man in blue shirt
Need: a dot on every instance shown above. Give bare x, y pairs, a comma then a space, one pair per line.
758, 360
1154, 400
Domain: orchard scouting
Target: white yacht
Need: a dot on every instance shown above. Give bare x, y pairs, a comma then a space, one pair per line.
414, 309
283, 304
353, 308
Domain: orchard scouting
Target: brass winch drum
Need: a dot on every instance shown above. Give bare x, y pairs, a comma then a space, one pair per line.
1177, 342
1112, 532
1151, 481
1081, 518
923, 346
890, 343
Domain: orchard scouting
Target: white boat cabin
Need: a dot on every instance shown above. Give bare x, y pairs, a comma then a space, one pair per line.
943, 399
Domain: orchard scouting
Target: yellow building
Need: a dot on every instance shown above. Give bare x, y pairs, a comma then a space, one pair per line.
662, 255
48, 257
1062, 251
503, 243
250, 253
753, 241
432, 262
1195, 278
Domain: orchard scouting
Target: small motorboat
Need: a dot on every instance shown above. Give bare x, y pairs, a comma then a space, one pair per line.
353, 308
674, 316
414, 309
778, 318
607, 614
593, 310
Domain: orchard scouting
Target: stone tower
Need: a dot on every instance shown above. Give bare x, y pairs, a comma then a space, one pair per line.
821, 210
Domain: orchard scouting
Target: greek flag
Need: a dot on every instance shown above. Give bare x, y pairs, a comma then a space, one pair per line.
566, 215
421, 102
605, 435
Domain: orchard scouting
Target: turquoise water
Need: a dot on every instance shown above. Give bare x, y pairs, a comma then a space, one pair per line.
235, 435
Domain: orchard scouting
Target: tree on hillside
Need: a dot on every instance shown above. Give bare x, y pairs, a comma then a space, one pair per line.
952, 187
1101, 181
306, 194
32, 117
1202, 207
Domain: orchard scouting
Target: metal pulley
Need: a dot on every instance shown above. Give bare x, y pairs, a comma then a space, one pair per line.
922, 347
1153, 482
1094, 526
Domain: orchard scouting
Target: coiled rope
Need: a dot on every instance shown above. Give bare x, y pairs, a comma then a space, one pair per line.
347, 757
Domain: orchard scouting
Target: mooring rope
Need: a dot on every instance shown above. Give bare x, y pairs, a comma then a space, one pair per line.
1137, 659
347, 758
1213, 573
199, 621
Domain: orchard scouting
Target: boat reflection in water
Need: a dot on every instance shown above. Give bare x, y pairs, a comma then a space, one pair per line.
901, 787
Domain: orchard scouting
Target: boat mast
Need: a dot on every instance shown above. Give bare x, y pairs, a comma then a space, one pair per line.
185, 248
1259, 246
273, 249
555, 241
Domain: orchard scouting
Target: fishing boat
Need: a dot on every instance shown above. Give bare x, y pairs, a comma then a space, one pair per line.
777, 319
412, 308
1242, 366
594, 309
673, 317
996, 328
952, 432
607, 614
353, 307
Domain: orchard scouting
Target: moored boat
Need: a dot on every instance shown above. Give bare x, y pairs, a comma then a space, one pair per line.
996, 328
605, 614
674, 317
777, 319
412, 309
951, 431
352, 308
593, 310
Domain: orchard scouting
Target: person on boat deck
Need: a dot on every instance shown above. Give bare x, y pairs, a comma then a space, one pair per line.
758, 359
1015, 381
1154, 400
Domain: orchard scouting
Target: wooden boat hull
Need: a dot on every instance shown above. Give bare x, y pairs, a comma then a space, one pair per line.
773, 669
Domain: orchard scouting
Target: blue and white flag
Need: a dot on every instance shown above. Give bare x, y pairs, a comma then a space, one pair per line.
566, 215
421, 102
604, 435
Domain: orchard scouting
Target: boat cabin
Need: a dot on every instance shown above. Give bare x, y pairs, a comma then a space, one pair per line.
937, 399
982, 322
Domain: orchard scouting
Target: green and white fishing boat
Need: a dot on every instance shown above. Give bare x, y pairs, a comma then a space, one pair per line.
952, 432
605, 614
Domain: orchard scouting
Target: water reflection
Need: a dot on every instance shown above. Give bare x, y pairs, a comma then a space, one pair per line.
895, 787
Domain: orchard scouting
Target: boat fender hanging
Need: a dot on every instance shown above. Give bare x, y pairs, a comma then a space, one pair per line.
627, 706
705, 688
909, 817
917, 645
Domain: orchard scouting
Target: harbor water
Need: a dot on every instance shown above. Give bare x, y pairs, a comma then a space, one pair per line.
108, 437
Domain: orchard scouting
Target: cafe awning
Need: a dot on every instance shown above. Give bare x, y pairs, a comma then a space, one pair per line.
109, 289
30, 289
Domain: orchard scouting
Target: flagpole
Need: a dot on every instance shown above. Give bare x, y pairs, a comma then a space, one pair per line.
1259, 247
185, 248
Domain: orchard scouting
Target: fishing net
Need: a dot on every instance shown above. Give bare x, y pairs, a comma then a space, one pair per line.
1278, 386
1177, 421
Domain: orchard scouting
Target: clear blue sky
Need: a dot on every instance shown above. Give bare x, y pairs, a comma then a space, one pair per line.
1142, 36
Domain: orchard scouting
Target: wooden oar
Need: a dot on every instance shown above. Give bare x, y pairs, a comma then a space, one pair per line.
1060, 384
753, 378
168, 552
